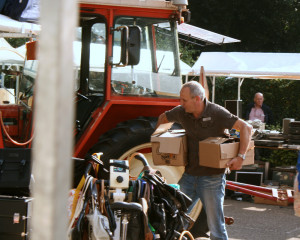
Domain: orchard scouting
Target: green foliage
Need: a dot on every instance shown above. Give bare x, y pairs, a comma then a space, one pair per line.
274, 127
17, 42
282, 158
261, 25
188, 53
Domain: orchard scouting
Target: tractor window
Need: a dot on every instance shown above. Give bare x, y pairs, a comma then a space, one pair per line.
9, 81
158, 73
96, 55
27, 82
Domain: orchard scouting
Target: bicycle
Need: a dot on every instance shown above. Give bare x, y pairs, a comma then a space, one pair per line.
121, 209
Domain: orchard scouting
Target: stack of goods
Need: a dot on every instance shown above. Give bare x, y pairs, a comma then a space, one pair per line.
294, 133
269, 139
257, 124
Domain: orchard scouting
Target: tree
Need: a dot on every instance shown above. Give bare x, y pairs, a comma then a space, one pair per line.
261, 25
17, 42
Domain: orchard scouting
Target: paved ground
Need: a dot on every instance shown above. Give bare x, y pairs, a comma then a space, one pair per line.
261, 222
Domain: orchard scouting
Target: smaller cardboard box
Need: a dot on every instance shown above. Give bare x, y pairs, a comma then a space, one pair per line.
215, 152
169, 147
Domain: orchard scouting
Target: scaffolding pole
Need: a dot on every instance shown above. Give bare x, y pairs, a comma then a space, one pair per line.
54, 120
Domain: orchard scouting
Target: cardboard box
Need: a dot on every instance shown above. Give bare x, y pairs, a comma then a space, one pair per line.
215, 152
169, 147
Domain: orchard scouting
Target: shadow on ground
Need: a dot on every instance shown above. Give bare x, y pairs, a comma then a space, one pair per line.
261, 221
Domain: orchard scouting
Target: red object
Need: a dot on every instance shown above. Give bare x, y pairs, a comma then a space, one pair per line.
31, 48
261, 191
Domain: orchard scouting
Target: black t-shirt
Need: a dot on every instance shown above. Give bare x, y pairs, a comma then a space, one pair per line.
212, 123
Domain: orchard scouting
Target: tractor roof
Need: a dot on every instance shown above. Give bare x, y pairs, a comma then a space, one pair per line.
157, 4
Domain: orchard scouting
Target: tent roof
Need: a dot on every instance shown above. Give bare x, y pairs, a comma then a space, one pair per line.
185, 68
4, 43
249, 65
11, 28
9, 55
21, 50
204, 35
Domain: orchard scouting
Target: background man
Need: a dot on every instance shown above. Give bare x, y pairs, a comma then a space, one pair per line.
202, 119
258, 110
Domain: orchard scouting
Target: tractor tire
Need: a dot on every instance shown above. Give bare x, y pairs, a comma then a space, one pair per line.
115, 142
125, 136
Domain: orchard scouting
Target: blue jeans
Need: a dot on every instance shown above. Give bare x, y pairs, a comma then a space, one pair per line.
211, 191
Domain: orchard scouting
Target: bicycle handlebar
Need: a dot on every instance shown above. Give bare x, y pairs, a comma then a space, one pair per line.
140, 157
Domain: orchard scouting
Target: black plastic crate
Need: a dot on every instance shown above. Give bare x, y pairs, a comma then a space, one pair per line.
15, 171
14, 217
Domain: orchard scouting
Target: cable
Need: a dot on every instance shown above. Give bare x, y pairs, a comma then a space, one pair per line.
10, 139
186, 233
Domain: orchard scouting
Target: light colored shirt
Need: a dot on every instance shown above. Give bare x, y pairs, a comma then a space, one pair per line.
257, 113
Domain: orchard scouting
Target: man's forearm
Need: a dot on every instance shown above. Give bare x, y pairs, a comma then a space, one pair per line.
245, 134
162, 119
245, 137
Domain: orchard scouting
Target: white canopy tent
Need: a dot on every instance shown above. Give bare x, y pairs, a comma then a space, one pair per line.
4, 43
248, 65
13, 28
10, 55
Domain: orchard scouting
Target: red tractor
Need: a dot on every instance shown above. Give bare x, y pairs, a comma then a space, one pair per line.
127, 72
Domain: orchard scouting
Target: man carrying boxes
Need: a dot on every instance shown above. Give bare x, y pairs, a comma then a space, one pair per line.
202, 119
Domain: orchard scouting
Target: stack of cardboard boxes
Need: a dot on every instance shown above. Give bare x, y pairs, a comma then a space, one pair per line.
169, 147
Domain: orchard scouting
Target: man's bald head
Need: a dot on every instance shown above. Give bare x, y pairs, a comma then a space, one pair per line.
258, 99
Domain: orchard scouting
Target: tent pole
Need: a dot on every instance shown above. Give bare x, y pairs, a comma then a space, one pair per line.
2, 75
239, 89
186, 78
240, 82
17, 86
213, 88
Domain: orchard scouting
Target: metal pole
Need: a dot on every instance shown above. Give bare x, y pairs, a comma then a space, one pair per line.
2, 75
17, 86
240, 82
239, 89
54, 120
213, 88
186, 78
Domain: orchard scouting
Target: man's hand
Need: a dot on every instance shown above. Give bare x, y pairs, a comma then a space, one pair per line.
235, 163
161, 119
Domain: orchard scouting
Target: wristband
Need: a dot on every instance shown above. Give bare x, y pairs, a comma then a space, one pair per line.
242, 156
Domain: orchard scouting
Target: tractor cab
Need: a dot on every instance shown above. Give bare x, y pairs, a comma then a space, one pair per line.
135, 58
126, 73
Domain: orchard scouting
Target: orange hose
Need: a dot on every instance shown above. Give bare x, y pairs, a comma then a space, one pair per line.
186, 233
10, 139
